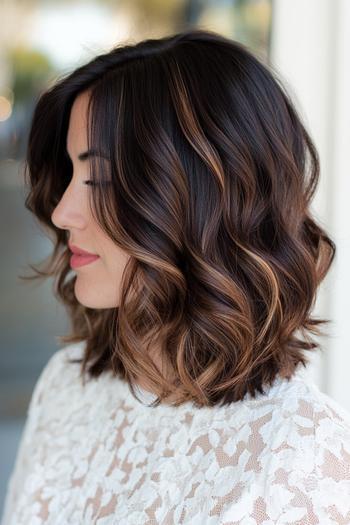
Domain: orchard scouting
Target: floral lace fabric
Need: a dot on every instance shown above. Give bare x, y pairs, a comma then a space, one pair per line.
96, 455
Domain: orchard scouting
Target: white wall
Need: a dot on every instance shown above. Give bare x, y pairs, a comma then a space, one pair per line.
310, 48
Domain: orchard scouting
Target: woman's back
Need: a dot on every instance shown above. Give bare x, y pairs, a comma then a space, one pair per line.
95, 454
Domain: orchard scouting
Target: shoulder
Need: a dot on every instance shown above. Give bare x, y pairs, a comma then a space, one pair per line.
50, 396
58, 372
61, 359
310, 422
314, 416
293, 444
299, 406
310, 451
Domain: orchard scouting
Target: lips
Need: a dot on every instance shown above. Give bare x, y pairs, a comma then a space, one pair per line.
81, 257
79, 251
82, 260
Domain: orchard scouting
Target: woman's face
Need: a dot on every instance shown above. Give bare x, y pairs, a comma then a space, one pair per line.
98, 283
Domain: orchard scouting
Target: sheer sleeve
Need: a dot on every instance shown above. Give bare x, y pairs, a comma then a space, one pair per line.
27, 441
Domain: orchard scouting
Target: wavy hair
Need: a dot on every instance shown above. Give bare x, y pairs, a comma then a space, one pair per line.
211, 176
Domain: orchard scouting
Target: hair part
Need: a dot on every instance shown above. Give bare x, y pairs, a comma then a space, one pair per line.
211, 174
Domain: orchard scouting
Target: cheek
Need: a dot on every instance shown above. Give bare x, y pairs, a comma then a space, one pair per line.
114, 260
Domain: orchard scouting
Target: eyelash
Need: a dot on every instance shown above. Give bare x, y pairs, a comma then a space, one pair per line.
89, 182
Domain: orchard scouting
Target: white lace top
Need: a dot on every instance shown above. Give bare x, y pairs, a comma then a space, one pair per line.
96, 455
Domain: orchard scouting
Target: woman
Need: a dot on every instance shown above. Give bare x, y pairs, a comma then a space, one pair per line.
181, 166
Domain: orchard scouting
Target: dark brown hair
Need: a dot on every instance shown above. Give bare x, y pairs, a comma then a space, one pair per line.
211, 177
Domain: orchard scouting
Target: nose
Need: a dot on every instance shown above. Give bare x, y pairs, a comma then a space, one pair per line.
69, 213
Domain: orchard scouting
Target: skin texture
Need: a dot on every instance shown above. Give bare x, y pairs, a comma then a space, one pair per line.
98, 283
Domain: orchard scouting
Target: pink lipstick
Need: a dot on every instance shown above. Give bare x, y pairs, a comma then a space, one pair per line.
81, 257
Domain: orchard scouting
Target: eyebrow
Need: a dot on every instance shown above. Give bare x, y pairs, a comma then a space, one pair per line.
90, 153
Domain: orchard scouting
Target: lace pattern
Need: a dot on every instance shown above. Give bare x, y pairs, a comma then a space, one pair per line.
96, 455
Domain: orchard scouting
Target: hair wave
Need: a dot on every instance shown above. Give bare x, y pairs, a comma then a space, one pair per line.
211, 176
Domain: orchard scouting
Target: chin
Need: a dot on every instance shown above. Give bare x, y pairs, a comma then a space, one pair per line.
97, 305
89, 300
96, 294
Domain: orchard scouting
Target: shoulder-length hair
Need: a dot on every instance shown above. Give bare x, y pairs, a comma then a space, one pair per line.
211, 177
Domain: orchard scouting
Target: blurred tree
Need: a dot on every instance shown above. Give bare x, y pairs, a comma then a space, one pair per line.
31, 71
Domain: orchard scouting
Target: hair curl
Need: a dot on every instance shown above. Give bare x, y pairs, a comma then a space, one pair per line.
212, 173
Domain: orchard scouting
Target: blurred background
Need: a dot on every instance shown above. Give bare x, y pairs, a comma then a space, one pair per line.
307, 43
